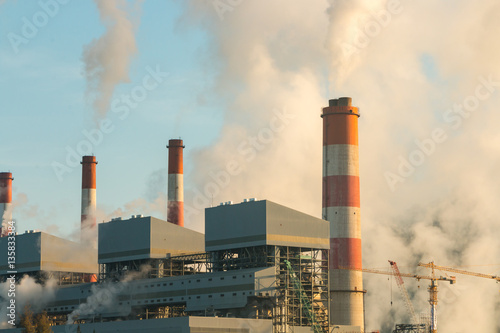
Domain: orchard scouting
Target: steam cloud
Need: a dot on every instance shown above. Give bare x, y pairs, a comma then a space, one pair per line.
107, 59
406, 76
27, 292
104, 296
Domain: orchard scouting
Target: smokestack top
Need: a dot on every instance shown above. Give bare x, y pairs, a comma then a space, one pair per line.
342, 101
175, 143
6, 175
175, 159
5, 188
89, 172
88, 159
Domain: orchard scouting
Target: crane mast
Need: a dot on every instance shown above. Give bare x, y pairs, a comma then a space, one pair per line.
402, 289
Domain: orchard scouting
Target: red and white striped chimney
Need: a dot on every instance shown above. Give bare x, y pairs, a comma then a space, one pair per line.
88, 223
175, 182
5, 201
341, 207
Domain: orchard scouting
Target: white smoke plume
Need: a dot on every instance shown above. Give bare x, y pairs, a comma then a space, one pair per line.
103, 296
27, 292
406, 65
107, 59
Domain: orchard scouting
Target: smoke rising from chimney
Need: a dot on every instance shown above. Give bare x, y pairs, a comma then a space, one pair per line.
107, 59
406, 78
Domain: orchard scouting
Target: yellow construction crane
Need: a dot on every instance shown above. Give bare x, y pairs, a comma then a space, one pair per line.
433, 290
459, 271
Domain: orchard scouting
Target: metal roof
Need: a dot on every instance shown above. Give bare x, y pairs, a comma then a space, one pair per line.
145, 238
263, 222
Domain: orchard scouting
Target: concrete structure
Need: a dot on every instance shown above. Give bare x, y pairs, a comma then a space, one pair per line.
341, 207
145, 238
175, 182
43, 256
259, 223
190, 324
126, 245
88, 226
5, 201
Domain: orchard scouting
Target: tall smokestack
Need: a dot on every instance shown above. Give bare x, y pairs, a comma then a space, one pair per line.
341, 207
5, 201
88, 226
175, 182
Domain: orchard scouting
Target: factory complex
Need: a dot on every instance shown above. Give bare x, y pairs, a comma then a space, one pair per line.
259, 266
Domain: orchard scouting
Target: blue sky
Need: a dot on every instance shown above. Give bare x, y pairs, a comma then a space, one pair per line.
44, 109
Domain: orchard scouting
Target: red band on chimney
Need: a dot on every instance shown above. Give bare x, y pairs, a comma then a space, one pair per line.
341, 191
6, 187
89, 172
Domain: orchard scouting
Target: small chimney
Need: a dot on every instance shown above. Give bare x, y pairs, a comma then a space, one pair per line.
175, 183
88, 222
5, 201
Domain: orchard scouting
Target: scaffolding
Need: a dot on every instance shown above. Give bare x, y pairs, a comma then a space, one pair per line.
311, 269
285, 308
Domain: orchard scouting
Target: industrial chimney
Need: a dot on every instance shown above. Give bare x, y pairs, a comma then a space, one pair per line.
88, 223
175, 182
341, 207
5, 201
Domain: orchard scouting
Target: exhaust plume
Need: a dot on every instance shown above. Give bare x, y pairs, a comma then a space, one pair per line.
104, 295
107, 59
28, 292
428, 96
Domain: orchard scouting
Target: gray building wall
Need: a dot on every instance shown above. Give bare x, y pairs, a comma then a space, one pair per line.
145, 238
263, 222
172, 325
41, 251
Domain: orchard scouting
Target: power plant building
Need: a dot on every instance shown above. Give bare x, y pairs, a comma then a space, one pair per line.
259, 267
43, 256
